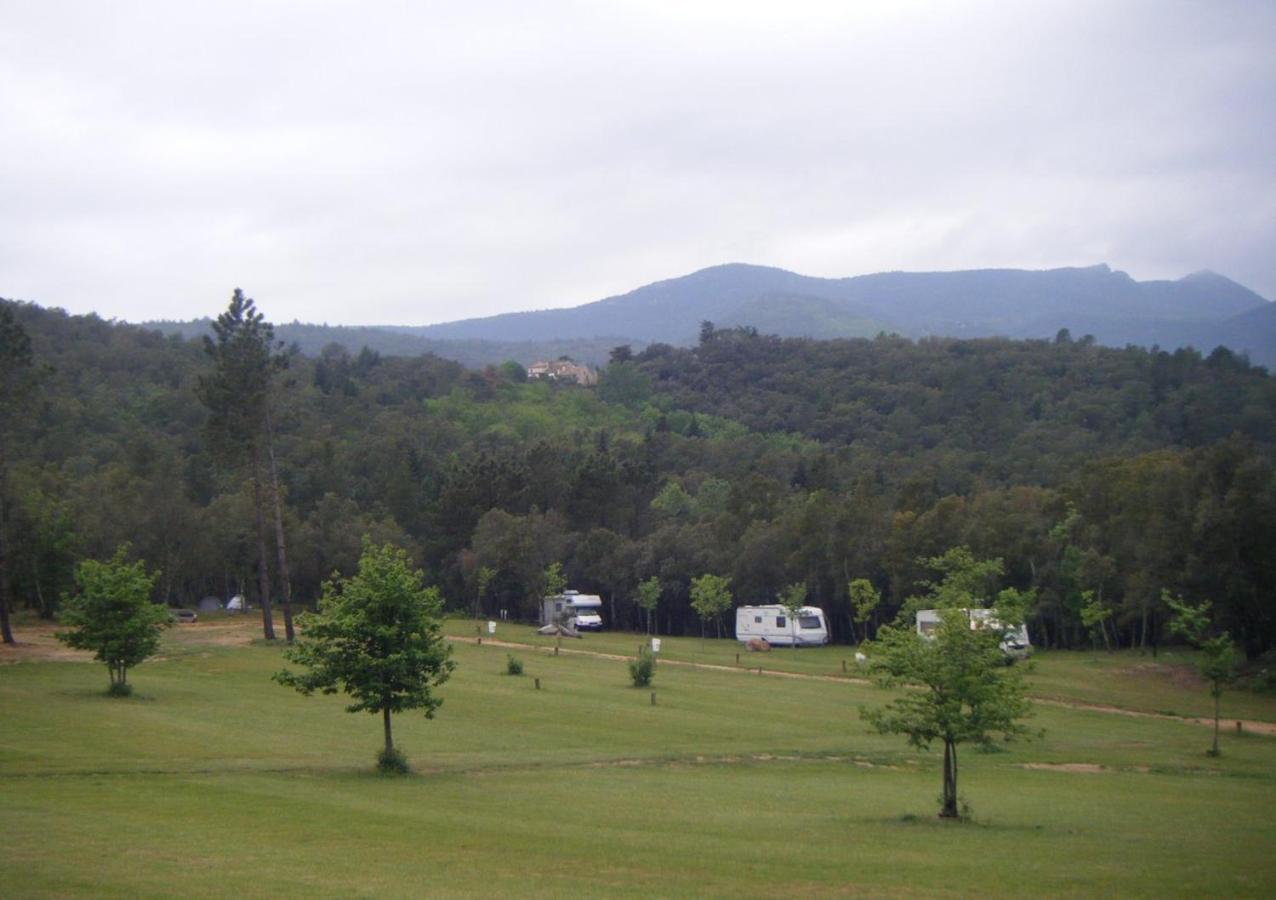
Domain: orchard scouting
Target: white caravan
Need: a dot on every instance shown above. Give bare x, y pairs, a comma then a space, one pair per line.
581, 611
1014, 638
774, 625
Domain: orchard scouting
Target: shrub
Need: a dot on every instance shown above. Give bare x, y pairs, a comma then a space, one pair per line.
392, 762
120, 689
513, 665
643, 668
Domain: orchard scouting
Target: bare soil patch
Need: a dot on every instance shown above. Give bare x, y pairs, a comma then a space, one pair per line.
1086, 768
36, 642
1178, 674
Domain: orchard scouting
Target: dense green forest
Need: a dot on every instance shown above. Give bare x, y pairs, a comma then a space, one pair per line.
1098, 476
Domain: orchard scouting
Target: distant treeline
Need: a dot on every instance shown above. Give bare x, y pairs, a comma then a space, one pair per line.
406, 340
1091, 472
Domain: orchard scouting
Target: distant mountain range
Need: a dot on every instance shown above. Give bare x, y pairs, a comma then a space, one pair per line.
1203, 310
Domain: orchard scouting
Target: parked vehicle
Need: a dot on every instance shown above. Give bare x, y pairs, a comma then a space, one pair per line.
774, 625
1014, 640
185, 616
572, 608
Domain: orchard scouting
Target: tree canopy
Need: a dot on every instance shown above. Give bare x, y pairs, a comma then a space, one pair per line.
376, 637
111, 613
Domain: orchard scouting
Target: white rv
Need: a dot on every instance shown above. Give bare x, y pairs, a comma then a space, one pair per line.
774, 625
581, 611
1014, 638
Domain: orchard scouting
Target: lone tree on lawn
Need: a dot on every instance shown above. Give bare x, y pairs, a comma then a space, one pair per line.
1217, 660
958, 690
111, 613
246, 360
958, 686
377, 638
710, 598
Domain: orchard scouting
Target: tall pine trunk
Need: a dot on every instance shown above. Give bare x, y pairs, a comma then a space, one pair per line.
263, 567
5, 631
285, 581
389, 742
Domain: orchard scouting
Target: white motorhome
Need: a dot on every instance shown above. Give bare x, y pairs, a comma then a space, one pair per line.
774, 625
581, 611
1014, 638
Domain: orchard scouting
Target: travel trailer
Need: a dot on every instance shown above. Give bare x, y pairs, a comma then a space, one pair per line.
774, 625
581, 611
1014, 640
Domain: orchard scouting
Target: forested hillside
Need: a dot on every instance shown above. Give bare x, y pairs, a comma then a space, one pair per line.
1099, 476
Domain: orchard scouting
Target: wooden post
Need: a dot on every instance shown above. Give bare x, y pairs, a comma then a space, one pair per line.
1238, 727
737, 659
480, 642
843, 667
555, 651
653, 698
538, 684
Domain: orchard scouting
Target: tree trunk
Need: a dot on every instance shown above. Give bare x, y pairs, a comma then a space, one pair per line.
1217, 693
5, 631
279, 529
389, 742
263, 569
949, 810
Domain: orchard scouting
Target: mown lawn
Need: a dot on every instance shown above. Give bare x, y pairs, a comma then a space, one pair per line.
213, 781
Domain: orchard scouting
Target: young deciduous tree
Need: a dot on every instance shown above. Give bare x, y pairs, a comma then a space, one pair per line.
377, 638
649, 599
1217, 660
710, 598
111, 613
864, 601
957, 690
793, 598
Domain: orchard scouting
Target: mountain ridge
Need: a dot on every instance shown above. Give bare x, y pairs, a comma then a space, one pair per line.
984, 302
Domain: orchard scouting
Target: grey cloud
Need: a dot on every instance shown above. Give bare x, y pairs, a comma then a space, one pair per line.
436, 162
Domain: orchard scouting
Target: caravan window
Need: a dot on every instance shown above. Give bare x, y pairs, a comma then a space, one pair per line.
757, 620
780, 622
809, 621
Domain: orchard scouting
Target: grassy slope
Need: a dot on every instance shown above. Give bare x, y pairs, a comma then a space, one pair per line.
214, 781
1128, 679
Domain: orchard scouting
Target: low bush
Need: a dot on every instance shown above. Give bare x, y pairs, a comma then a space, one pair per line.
643, 668
392, 762
513, 665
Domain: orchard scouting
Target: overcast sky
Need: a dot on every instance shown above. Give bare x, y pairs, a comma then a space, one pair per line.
419, 162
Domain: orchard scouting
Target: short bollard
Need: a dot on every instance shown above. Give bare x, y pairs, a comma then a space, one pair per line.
480, 642
538, 683
843, 667
737, 659
1238, 727
555, 651
653, 698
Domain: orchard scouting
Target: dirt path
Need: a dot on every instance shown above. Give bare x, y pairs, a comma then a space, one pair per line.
1253, 726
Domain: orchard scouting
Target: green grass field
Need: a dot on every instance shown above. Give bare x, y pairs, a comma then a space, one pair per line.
211, 780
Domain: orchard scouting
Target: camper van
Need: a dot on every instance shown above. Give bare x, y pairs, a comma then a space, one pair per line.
774, 625
581, 611
1014, 639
